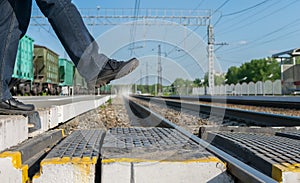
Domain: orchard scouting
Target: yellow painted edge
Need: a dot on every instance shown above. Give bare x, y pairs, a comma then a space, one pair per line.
133, 160
15, 156
65, 160
17, 163
278, 169
56, 161
24, 169
37, 175
63, 133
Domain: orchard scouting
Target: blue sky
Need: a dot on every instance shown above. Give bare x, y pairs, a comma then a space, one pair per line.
253, 29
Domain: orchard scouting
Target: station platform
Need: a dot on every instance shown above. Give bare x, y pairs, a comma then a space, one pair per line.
130, 155
51, 112
274, 155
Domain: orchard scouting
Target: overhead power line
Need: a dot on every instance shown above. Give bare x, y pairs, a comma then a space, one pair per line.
261, 38
246, 9
240, 11
245, 21
222, 5
237, 26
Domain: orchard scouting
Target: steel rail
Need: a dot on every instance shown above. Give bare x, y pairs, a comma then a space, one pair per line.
237, 168
277, 102
258, 118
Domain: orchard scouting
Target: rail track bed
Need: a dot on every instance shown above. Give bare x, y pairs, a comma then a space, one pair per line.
221, 114
132, 140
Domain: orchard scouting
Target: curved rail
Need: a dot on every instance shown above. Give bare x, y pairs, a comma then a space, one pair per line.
240, 170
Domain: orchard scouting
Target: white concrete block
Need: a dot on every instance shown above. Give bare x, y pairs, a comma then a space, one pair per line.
286, 173
53, 116
290, 177
146, 155
66, 170
69, 111
13, 130
72, 160
114, 172
143, 171
11, 168
178, 172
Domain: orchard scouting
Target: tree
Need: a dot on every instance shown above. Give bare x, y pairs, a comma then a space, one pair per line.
232, 75
181, 86
256, 70
219, 79
179, 82
197, 82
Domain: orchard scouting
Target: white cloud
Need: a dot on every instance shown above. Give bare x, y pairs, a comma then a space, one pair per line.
243, 42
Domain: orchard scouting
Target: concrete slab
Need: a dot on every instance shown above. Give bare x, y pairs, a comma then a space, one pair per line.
69, 111
16, 161
203, 130
277, 157
157, 155
13, 130
55, 115
73, 160
11, 169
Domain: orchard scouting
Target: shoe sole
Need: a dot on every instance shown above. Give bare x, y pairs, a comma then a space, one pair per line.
128, 68
15, 111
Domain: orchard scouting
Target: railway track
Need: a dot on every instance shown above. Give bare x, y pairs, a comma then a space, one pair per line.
222, 115
271, 147
240, 170
262, 101
148, 137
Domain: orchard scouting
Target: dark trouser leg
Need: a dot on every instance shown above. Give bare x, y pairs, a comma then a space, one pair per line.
73, 34
23, 13
13, 24
22, 10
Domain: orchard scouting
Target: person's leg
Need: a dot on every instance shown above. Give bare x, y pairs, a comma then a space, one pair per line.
80, 45
74, 36
22, 10
23, 14
10, 33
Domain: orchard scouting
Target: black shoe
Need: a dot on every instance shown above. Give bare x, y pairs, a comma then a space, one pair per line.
116, 69
13, 104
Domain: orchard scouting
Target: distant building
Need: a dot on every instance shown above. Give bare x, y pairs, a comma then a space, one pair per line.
290, 70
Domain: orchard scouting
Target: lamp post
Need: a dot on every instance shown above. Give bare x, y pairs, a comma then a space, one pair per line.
243, 79
225, 89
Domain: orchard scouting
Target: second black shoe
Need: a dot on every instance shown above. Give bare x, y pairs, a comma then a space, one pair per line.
116, 69
13, 104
